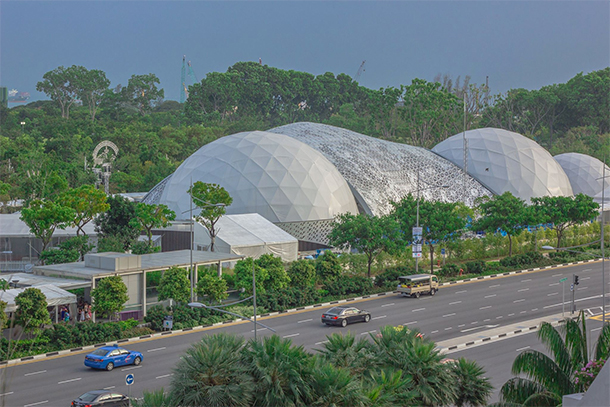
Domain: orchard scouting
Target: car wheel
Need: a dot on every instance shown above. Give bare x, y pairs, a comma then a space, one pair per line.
367, 318
137, 361
344, 323
432, 291
109, 366
417, 295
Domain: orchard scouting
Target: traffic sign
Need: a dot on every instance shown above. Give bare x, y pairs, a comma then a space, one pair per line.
563, 279
129, 379
571, 287
443, 252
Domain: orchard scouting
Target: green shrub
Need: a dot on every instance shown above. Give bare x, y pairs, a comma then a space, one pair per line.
523, 260
475, 267
348, 285
135, 332
495, 266
154, 316
389, 278
287, 298
230, 279
449, 270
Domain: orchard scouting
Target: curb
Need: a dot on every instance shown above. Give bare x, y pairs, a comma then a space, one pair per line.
5, 363
491, 338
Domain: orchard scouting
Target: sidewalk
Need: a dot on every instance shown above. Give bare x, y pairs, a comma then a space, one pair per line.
475, 338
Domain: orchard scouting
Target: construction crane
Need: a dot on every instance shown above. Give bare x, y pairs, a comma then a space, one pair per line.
184, 93
360, 70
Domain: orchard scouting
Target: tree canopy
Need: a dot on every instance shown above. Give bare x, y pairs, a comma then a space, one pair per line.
212, 200
109, 296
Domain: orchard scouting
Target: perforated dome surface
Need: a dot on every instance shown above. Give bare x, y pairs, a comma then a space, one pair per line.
585, 173
380, 171
273, 175
506, 161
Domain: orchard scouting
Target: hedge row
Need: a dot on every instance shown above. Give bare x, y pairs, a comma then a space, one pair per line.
65, 336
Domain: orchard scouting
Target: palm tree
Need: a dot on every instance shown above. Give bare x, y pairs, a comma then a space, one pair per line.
344, 351
473, 389
389, 387
280, 371
156, 398
548, 379
331, 386
212, 373
418, 359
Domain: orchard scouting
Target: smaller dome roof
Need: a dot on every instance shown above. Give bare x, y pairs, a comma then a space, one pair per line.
506, 161
585, 173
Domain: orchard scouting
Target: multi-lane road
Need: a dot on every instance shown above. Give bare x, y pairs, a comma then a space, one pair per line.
456, 311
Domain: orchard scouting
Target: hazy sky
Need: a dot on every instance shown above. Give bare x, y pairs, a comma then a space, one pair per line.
518, 44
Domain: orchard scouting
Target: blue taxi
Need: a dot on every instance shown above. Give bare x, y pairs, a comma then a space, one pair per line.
109, 357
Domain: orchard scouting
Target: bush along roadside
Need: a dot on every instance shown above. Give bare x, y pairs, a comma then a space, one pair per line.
65, 336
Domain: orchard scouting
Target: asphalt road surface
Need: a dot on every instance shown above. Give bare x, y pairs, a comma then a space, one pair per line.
455, 311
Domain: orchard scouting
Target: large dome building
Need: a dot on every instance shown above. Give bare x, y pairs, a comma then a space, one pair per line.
506, 161
585, 173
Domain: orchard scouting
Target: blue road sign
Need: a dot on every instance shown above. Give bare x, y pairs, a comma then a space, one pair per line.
443, 252
129, 379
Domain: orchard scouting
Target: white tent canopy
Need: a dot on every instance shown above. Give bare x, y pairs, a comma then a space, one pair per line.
55, 296
12, 226
250, 235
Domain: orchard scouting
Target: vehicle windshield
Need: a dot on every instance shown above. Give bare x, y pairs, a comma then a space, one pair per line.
89, 396
100, 352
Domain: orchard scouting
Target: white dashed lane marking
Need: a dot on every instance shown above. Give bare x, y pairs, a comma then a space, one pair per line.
379, 317
489, 306
35, 404
33, 373
526, 280
490, 296
131, 368
456, 302
69, 380
520, 349
551, 294
291, 335
523, 289
460, 292
557, 275
305, 320
161, 377
387, 305
156, 349
109, 387
521, 300
550, 285
418, 309
494, 286
448, 315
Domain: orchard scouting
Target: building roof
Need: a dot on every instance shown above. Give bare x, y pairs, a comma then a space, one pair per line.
54, 295
585, 173
506, 161
12, 226
33, 280
250, 229
280, 178
148, 262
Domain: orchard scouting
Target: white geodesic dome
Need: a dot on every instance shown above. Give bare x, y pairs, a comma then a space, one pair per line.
585, 173
273, 175
381, 172
506, 161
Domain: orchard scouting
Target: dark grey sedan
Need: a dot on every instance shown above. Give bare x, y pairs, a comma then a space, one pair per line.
345, 315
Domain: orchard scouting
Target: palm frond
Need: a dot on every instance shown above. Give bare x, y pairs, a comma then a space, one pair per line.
544, 371
518, 389
602, 348
553, 341
576, 341
544, 399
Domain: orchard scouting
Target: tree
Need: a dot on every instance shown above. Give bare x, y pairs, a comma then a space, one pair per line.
109, 296
302, 273
473, 388
153, 216
31, 310
564, 212
87, 202
280, 372
212, 199
549, 378
331, 386
43, 217
418, 358
142, 92
60, 85
213, 287
367, 234
213, 374
389, 387
119, 221
3, 316
502, 212
439, 221
277, 278
243, 276
68, 251
328, 267
175, 285
90, 88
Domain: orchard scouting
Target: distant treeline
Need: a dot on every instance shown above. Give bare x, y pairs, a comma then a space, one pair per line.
47, 153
